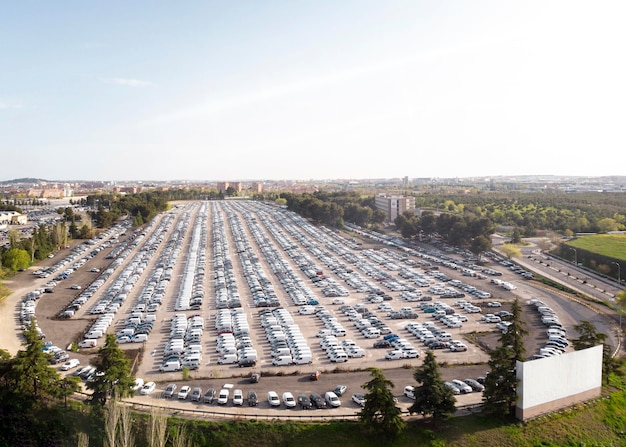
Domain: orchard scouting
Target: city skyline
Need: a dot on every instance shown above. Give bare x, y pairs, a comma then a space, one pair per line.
314, 90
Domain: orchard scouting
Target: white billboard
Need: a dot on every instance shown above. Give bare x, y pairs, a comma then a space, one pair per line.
557, 382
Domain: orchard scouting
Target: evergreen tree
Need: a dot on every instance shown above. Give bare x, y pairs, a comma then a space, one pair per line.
501, 383
380, 413
432, 396
113, 377
590, 337
30, 370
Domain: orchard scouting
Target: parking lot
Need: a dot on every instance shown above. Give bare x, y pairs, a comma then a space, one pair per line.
214, 286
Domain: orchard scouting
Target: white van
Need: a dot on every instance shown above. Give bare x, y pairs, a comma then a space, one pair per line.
339, 358
93, 334
303, 360
88, 343
140, 338
227, 359
283, 360
171, 366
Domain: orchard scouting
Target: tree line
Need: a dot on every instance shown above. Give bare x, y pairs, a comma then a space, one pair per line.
577, 212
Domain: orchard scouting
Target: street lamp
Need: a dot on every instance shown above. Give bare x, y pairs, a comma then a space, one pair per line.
619, 272
619, 282
575, 256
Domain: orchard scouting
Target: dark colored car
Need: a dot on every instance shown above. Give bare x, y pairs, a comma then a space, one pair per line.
209, 396
318, 400
253, 399
247, 363
254, 378
305, 402
382, 344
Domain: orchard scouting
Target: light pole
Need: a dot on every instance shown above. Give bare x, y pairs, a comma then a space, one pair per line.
619, 272
575, 256
619, 282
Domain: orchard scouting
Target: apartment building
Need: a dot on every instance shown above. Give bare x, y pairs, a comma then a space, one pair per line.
393, 205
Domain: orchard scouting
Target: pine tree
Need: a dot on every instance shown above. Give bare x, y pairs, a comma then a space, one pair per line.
30, 370
432, 396
501, 383
380, 413
113, 374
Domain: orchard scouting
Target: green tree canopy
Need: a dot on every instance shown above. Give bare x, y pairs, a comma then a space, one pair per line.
432, 396
380, 413
16, 259
113, 375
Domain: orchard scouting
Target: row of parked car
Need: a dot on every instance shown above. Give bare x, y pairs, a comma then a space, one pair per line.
556, 343
228, 394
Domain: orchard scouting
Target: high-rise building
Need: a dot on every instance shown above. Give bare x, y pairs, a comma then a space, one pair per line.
393, 206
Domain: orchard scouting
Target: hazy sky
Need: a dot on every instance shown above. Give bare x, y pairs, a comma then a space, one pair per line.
237, 90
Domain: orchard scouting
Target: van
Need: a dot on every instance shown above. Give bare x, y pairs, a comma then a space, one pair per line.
140, 338
283, 360
94, 334
88, 343
279, 352
126, 331
339, 358
170, 366
227, 359
303, 360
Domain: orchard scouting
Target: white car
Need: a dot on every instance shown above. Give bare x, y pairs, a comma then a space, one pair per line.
289, 400
359, 399
184, 392
222, 398
458, 347
494, 304
72, 363
237, 397
395, 355
463, 387
273, 399
147, 388
138, 385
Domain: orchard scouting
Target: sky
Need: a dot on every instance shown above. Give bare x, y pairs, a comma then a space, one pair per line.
311, 89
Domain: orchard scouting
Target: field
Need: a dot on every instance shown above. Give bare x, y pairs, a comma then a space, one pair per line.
610, 245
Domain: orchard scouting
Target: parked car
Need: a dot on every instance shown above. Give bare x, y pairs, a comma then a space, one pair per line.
184, 392
147, 388
305, 402
476, 386
196, 394
238, 397
70, 364
359, 399
273, 399
222, 398
253, 399
318, 400
209, 396
340, 390
332, 399
289, 400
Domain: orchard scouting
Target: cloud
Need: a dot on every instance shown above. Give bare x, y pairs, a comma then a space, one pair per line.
4, 105
127, 82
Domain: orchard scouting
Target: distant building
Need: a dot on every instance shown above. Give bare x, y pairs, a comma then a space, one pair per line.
393, 206
223, 186
256, 187
12, 218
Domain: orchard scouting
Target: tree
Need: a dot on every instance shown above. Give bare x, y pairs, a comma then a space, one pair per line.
113, 377
16, 259
510, 250
31, 371
500, 393
590, 337
432, 396
480, 244
380, 413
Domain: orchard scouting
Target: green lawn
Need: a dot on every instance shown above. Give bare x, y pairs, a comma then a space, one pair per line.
610, 245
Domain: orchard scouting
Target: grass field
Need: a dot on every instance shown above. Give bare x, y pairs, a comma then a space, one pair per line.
610, 245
